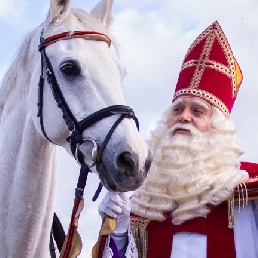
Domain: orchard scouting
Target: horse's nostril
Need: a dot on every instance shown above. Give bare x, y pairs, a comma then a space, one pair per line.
127, 162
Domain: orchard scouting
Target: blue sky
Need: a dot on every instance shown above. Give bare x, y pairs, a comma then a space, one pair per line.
154, 37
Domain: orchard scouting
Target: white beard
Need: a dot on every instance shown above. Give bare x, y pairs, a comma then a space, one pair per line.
189, 173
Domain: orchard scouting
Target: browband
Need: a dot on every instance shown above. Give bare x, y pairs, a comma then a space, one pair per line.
78, 34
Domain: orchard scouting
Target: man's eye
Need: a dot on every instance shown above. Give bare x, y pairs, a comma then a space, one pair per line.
177, 109
70, 69
199, 111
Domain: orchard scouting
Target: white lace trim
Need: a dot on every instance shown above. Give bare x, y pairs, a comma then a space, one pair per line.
108, 253
131, 251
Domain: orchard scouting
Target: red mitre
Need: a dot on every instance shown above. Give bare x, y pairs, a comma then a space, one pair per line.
210, 71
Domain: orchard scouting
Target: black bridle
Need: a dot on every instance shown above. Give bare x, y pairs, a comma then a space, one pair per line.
76, 128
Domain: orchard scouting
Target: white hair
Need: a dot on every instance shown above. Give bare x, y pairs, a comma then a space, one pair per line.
190, 173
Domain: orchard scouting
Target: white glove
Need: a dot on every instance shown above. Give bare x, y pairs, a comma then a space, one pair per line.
116, 205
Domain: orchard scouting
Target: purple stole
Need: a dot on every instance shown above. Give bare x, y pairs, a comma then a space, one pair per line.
113, 247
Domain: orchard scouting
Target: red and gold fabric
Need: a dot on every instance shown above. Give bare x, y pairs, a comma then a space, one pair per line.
210, 70
215, 226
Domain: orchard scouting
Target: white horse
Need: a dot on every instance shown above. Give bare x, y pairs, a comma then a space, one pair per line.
90, 78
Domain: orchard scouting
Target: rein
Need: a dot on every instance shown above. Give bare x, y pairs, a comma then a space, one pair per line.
75, 127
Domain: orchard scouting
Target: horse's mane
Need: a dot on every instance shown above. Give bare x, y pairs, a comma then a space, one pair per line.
20, 60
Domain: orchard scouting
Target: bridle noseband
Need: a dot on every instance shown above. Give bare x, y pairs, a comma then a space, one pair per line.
76, 128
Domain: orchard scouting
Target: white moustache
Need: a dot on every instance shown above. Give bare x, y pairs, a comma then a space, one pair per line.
188, 127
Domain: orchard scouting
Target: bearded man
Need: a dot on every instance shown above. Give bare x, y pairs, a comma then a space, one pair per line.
199, 200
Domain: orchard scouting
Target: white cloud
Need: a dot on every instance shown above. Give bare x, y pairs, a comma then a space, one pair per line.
11, 10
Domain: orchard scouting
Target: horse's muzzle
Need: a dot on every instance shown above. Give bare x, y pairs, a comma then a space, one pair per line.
126, 176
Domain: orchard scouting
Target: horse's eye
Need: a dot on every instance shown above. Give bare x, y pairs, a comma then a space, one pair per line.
69, 68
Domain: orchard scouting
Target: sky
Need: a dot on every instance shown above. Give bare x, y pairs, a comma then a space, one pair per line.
153, 37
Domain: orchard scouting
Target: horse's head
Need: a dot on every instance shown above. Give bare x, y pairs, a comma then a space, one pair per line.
89, 76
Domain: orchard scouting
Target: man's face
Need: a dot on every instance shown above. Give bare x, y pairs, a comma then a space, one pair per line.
191, 110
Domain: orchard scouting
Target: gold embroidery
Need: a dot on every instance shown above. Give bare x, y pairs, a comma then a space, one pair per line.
251, 180
239, 203
139, 222
242, 192
209, 64
231, 214
203, 59
189, 63
229, 56
204, 95
139, 230
250, 193
199, 39
232, 71
246, 195
219, 67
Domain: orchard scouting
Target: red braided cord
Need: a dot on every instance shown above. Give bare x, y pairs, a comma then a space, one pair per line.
77, 34
71, 228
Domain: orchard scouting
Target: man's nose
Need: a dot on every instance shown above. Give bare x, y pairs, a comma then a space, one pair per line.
185, 116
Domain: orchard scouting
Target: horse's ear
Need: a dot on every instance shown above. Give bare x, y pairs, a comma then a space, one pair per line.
102, 11
59, 10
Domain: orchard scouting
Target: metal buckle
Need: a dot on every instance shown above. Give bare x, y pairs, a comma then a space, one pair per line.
94, 151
